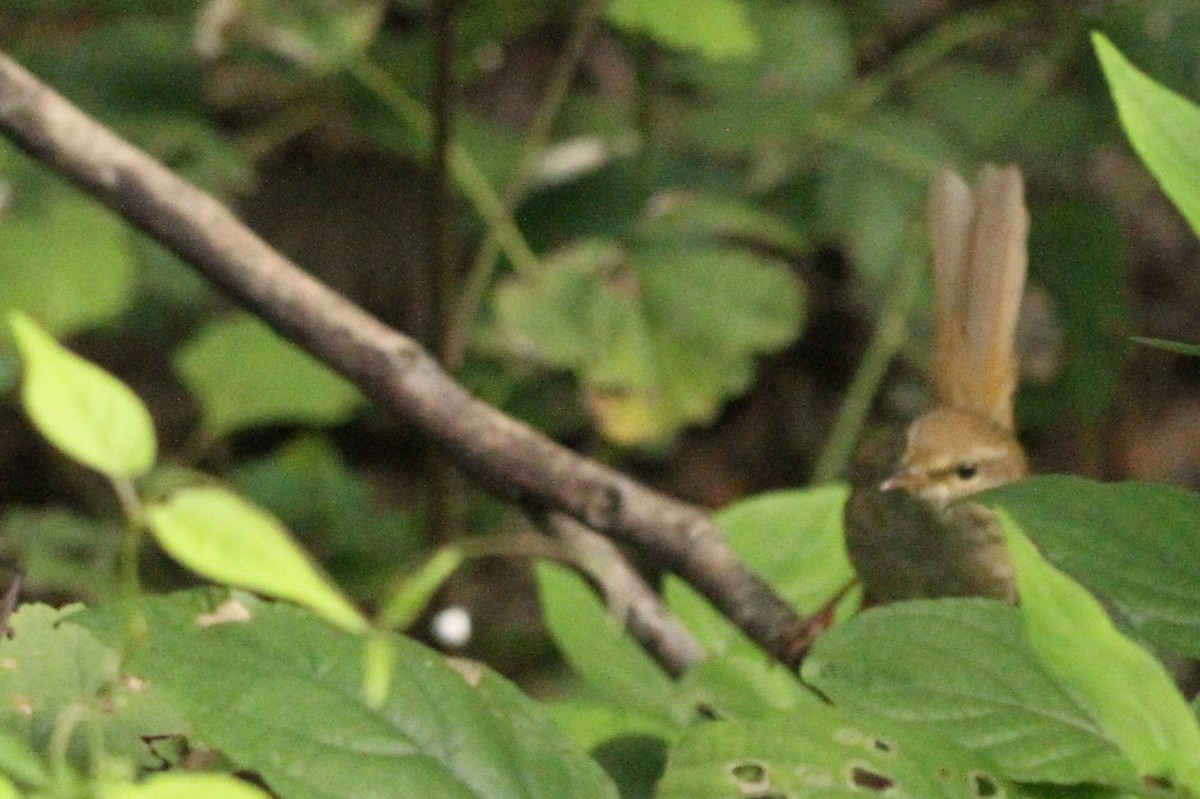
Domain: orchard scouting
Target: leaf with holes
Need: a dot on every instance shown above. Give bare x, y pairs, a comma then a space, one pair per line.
83, 410
962, 668
824, 752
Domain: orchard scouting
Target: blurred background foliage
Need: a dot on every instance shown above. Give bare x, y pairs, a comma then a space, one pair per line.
692, 247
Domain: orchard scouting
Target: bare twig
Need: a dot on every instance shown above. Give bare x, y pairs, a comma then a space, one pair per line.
628, 595
505, 456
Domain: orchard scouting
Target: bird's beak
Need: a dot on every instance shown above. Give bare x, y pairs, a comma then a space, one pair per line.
903, 478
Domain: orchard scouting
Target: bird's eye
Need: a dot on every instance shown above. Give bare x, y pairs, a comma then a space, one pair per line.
967, 470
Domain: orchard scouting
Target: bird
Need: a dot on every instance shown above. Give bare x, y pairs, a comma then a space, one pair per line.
911, 529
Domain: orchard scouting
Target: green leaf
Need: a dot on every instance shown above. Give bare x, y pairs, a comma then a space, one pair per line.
1124, 688
409, 599
82, 409
182, 785
660, 337
321, 500
222, 537
245, 375
62, 552
51, 664
1133, 543
824, 752
688, 215
793, 539
717, 29
962, 668
317, 35
66, 262
280, 695
595, 643
1161, 125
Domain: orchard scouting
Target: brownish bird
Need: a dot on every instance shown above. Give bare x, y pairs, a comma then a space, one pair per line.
911, 530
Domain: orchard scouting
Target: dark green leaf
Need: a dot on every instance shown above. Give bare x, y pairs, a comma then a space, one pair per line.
595, 643
1124, 688
281, 696
1133, 543
962, 668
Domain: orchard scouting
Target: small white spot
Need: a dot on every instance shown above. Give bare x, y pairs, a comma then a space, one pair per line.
451, 627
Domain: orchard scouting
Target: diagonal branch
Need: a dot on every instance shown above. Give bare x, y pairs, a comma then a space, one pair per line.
505, 456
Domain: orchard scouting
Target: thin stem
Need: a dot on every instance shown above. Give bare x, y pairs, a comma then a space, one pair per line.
928, 50
131, 541
890, 334
466, 173
536, 137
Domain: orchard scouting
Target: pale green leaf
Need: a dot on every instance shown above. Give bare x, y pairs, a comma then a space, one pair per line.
1162, 126
67, 263
183, 785
1122, 686
222, 537
1166, 345
409, 598
87, 413
245, 375
717, 29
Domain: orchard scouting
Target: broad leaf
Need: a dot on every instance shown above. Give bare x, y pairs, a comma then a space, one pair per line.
824, 752
1133, 543
69, 264
661, 336
52, 664
281, 696
224, 538
716, 29
87, 413
245, 375
595, 643
962, 668
793, 539
1161, 125
1125, 688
